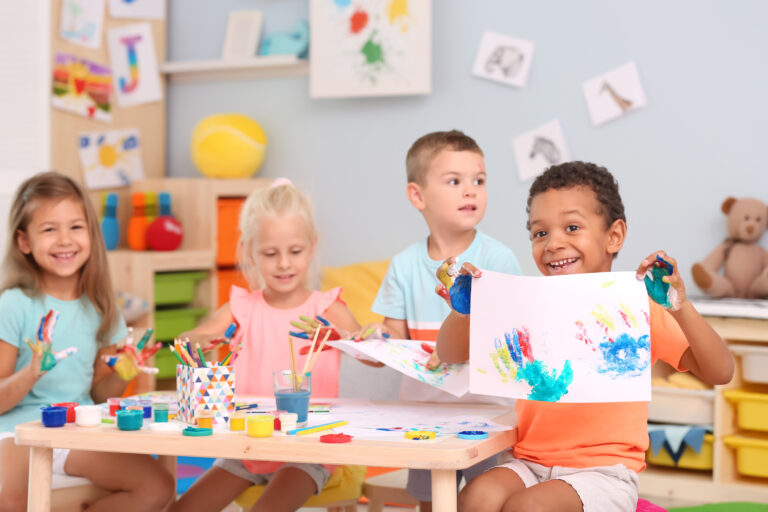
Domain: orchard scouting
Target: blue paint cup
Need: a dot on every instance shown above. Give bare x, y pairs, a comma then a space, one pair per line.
53, 416
130, 419
161, 412
292, 393
146, 405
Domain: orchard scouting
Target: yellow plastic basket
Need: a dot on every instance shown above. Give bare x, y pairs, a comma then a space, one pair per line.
751, 454
689, 460
751, 409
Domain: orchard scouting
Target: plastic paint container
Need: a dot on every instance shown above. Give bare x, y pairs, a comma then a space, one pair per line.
128, 402
87, 415
161, 412
53, 416
260, 425
130, 419
70, 406
114, 405
288, 421
237, 421
146, 406
205, 418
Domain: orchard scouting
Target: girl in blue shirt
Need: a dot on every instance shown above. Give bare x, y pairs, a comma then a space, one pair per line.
56, 260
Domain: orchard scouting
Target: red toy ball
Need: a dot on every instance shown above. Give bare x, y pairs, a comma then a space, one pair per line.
164, 234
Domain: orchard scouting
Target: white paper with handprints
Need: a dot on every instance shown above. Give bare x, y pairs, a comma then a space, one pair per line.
409, 357
577, 338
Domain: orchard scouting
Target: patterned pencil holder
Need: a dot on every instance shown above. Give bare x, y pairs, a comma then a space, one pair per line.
211, 388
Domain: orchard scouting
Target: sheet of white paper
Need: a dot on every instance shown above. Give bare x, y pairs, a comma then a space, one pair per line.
139, 9
82, 22
572, 338
613, 94
503, 59
111, 159
135, 73
409, 357
540, 148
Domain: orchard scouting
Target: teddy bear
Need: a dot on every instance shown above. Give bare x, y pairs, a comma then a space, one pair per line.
743, 259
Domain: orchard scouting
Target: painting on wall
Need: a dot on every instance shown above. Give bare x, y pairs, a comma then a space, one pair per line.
370, 48
82, 22
137, 9
82, 87
578, 338
540, 148
503, 59
614, 94
134, 65
111, 159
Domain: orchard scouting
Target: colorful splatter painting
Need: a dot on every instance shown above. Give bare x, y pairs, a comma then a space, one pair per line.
370, 48
82, 87
576, 338
111, 159
409, 357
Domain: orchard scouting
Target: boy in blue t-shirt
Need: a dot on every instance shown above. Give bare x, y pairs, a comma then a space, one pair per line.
446, 183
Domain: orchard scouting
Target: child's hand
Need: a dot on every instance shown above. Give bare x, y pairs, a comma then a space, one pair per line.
373, 331
456, 285
433, 362
309, 326
662, 280
35, 367
132, 359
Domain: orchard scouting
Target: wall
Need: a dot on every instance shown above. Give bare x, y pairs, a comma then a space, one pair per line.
701, 62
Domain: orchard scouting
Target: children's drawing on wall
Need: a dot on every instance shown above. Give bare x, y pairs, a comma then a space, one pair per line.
614, 93
370, 48
409, 357
137, 9
134, 64
540, 148
111, 159
82, 21
504, 59
575, 338
82, 87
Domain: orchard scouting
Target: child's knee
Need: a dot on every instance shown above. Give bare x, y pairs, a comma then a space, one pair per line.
13, 500
481, 494
158, 489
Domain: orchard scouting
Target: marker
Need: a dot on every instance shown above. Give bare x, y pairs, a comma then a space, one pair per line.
316, 428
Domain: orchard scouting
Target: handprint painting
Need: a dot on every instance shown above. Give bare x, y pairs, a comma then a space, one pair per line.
576, 338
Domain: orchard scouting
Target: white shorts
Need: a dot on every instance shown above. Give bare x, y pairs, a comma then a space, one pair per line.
59, 455
319, 474
601, 489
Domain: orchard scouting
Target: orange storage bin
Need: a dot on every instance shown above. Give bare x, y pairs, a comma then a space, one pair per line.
227, 232
226, 278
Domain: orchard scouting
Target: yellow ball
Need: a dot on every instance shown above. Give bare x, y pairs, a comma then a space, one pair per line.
228, 146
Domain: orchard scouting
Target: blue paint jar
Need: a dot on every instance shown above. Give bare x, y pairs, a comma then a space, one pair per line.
130, 419
146, 405
54, 416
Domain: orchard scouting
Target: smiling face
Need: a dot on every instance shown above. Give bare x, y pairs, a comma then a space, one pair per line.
284, 253
569, 234
57, 238
453, 195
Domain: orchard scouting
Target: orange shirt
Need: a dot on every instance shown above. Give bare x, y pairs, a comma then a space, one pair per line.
596, 434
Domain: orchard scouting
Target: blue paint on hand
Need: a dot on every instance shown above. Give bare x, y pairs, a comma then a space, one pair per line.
657, 289
301, 335
546, 385
461, 293
626, 356
514, 348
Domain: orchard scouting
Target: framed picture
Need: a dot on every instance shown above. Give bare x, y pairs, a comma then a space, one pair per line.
243, 32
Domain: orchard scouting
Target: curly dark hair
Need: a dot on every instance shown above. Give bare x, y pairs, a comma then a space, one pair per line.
582, 174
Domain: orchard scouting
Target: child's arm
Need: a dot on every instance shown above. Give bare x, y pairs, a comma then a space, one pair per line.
217, 324
342, 318
708, 356
453, 338
15, 385
398, 328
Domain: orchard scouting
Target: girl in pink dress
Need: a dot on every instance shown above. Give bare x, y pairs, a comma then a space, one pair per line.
277, 243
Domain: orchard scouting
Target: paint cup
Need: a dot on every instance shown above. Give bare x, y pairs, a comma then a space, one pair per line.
260, 425
146, 406
114, 405
237, 421
160, 410
292, 393
288, 421
53, 416
88, 415
128, 402
70, 406
130, 419
204, 418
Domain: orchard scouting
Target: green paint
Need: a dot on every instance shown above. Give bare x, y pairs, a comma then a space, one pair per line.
373, 52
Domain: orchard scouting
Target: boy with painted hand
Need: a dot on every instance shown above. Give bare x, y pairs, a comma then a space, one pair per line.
573, 457
446, 183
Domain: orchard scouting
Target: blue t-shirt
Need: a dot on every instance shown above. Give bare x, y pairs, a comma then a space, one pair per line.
70, 380
408, 293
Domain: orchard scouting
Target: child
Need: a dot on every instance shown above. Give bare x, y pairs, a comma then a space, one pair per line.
446, 183
56, 259
585, 456
276, 248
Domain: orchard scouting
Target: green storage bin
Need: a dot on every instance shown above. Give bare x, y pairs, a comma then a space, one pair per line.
176, 287
165, 363
169, 323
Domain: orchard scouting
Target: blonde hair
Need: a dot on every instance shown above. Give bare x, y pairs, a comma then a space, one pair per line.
22, 271
428, 146
281, 200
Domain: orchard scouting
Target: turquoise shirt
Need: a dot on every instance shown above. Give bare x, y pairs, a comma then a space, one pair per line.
68, 381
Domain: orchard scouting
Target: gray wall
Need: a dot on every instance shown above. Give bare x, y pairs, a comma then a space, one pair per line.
702, 64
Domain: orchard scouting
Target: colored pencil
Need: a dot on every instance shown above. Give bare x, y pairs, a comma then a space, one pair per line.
200, 354
183, 363
226, 359
188, 356
316, 428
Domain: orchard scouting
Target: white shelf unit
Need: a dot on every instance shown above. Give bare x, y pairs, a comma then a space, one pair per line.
233, 69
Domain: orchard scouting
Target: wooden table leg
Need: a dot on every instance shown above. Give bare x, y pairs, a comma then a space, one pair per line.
39, 491
444, 490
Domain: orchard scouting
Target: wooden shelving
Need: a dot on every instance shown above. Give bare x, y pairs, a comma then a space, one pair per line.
234, 69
